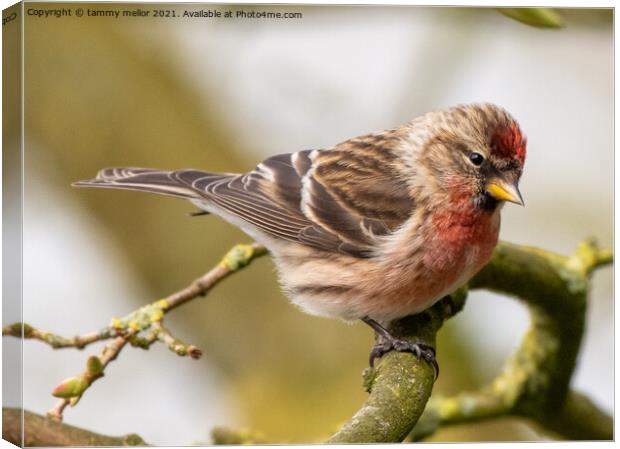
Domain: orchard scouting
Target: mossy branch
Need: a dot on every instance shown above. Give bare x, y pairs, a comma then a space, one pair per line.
534, 383
535, 380
401, 384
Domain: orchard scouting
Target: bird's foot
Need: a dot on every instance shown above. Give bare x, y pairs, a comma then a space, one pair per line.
387, 342
420, 350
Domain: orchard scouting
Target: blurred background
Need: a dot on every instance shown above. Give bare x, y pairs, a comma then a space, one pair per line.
222, 95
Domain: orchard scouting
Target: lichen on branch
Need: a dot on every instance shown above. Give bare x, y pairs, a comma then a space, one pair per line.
56, 341
534, 382
140, 328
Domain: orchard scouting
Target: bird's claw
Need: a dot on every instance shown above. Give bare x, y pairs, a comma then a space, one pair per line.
419, 350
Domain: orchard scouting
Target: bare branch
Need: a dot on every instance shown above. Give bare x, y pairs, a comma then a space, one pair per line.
127, 329
71, 390
236, 259
54, 340
174, 344
40, 431
534, 383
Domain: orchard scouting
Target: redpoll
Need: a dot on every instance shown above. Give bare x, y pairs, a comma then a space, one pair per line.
377, 227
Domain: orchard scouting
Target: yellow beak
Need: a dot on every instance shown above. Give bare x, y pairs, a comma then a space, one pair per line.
504, 191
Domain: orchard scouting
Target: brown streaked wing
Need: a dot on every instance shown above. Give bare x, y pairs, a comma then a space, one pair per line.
336, 200
269, 197
355, 190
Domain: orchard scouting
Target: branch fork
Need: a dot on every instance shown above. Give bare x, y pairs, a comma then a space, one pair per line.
534, 383
140, 328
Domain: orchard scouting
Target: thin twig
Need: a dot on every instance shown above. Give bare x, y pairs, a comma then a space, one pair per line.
57, 411
54, 340
174, 344
127, 329
234, 260
71, 390
534, 382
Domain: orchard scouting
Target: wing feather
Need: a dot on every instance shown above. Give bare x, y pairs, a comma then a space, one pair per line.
141, 179
339, 200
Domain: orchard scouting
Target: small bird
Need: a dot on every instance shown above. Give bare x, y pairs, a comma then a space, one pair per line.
375, 228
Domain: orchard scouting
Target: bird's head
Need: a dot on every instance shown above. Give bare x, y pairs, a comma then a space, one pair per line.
475, 152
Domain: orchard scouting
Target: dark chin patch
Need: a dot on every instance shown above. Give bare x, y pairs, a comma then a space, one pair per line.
486, 202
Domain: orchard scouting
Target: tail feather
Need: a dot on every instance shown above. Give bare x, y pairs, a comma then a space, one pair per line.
141, 179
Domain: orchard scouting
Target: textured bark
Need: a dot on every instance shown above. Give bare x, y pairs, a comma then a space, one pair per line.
534, 382
399, 387
42, 431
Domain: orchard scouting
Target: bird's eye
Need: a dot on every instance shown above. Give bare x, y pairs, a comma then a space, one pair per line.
476, 158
